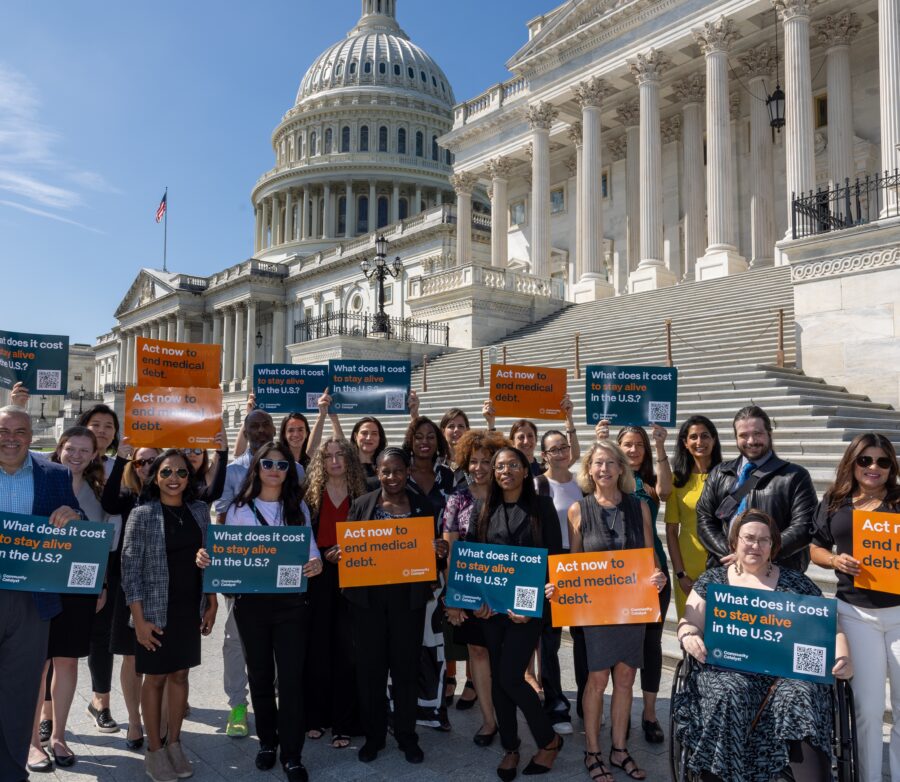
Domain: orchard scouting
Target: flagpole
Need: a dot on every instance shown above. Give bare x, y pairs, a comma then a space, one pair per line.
165, 228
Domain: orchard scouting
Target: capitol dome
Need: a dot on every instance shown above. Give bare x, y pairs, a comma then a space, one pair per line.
358, 149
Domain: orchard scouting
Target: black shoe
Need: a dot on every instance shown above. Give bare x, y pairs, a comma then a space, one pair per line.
42, 766
103, 719
484, 739
413, 753
46, 730
63, 761
533, 768
463, 704
296, 772
653, 732
265, 757
369, 751
509, 774
135, 744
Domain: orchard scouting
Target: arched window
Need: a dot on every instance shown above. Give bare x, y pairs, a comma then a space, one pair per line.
420, 144
382, 211
367, 68
435, 155
401, 141
364, 138
328, 140
339, 69
362, 215
383, 139
410, 72
313, 150
448, 157
424, 77
396, 69
345, 138
404, 209
352, 68
382, 67
342, 215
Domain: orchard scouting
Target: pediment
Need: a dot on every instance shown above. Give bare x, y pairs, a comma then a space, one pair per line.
148, 286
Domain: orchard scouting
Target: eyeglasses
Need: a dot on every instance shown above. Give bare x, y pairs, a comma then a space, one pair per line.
508, 467
192, 451
883, 462
752, 540
167, 472
559, 450
274, 464
142, 462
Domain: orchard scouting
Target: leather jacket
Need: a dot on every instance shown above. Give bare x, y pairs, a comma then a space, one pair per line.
785, 491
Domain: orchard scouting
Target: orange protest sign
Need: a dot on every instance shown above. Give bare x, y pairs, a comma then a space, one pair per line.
527, 392
604, 588
177, 364
163, 417
876, 544
392, 551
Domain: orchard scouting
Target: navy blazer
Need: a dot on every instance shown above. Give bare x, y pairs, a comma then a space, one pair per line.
52, 489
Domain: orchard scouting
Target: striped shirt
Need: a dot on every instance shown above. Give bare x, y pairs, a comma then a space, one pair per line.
17, 490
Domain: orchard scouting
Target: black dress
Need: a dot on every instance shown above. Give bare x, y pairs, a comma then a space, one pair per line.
180, 642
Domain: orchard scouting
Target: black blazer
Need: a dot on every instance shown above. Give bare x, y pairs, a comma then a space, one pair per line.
363, 509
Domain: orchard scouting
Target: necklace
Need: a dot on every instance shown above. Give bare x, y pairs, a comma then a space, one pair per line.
173, 515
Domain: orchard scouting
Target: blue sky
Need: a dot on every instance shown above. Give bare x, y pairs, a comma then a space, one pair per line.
104, 103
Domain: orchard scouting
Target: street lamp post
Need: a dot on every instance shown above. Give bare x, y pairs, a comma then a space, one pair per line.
81, 399
379, 272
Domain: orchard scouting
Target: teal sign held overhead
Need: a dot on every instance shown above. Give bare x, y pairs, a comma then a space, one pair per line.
289, 388
631, 395
369, 387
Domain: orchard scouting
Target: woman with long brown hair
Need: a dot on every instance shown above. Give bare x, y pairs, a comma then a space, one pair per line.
866, 480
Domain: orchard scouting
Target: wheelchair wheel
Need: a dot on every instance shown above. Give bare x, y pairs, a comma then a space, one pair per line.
846, 760
678, 754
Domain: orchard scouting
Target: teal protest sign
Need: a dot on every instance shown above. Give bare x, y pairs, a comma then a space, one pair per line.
289, 388
504, 577
631, 396
256, 559
39, 361
35, 556
368, 387
776, 633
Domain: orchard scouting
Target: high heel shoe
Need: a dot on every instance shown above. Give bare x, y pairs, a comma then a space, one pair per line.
508, 774
534, 768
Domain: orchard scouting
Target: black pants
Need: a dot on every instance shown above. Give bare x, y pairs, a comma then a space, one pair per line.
510, 646
556, 704
579, 659
651, 673
273, 630
388, 635
100, 659
330, 678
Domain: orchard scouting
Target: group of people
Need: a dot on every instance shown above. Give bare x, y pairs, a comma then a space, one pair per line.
365, 660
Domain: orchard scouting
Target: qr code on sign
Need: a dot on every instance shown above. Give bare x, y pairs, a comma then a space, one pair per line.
809, 659
83, 575
49, 380
289, 576
525, 599
395, 401
659, 411
312, 400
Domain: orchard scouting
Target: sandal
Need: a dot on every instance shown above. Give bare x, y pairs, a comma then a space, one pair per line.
340, 741
449, 690
464, 704
634, 771
597, 771
315, 733
533, 768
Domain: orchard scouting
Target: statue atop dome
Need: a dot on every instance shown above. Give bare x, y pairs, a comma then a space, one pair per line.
378, 16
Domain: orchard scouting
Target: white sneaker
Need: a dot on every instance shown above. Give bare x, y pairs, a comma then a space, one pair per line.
563, 728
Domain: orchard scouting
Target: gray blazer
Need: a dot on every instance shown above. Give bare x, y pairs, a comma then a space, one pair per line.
145, 573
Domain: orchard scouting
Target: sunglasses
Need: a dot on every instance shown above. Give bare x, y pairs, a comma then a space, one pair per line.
142, 462
167, 472
274, 464
192, 451
867, 461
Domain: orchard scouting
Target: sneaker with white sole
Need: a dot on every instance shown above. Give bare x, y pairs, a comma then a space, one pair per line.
237, 726
563, 728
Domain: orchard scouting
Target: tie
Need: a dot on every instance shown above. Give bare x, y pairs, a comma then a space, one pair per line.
742, 479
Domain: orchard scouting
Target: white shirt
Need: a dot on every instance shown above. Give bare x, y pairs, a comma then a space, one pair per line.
564, 495
243, 516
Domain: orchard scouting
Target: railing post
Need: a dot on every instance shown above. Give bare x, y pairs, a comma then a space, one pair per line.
481, 370
425, 372
668, 327
578, 355
779, 351
504, 354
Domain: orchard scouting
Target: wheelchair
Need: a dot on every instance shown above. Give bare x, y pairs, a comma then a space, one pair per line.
844, 760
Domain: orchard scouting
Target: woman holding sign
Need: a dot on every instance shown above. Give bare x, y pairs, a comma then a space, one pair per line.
164, 590
274, 628
866, 480
515, 515
610, 518
744, 727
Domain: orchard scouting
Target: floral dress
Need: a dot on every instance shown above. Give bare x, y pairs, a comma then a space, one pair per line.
715, 711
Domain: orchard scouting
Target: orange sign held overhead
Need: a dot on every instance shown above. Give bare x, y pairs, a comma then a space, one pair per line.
393, 551
876, 544
604, 588
527, 392
178, 364
163, 417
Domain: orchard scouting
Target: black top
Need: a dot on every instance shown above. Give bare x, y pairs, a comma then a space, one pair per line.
210, 492
183, 539
442, 487
510, 525
836, 529
612, 529
116, 500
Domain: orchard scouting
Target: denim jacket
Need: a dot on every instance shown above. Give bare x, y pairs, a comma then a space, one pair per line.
145, 572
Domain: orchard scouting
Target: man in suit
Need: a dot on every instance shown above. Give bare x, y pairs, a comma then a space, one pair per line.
39, 488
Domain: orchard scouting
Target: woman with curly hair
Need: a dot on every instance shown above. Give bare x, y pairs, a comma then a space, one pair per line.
334, 481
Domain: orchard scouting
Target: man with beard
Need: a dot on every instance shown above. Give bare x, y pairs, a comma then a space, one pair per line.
757, 479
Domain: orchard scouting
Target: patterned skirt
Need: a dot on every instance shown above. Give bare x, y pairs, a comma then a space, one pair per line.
715, 714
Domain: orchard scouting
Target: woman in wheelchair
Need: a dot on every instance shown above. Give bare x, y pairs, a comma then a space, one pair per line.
748, 727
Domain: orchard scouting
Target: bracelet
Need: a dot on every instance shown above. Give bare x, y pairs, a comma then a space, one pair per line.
664, 459
680, 574
687, 635
571, 431
833, 557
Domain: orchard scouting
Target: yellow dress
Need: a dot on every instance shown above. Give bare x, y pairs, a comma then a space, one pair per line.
681, 509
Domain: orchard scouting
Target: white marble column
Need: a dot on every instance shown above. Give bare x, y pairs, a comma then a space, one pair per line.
277, 224
836, 32
540, 117
439, 198
629, 116
154, 330
350, 224
395, 203
463, 184
130, 359
651, 272
314, 232
121, 358
373, 208
171, 329
327, 213
278, 333
217, 337
228, 345
417, 200
758, 65
499, 169
592, 282
250, 342
721, 257
800, 171
240, 344
305, 232
205, 330
264, 227
257, 236
575, 167
889, 95
289, 216
692, 94
179, 328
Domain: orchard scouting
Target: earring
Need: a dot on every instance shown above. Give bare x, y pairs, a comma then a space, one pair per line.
769, 568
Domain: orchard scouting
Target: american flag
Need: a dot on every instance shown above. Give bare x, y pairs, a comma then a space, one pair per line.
161, 209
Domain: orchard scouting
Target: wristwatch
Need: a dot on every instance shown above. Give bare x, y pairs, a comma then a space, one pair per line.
680, 574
